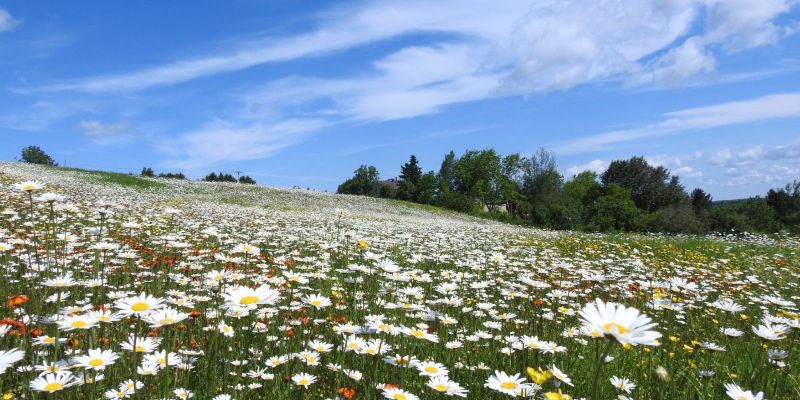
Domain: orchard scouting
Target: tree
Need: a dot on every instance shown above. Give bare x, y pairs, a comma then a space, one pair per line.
35, 155
576, 196
364, 182
426, 188
513, 167
147, 171
247, 180
786, 204
613, 209
478, 176
447, 173
410, 174
172, 175
651, 187
701, 201
541, 186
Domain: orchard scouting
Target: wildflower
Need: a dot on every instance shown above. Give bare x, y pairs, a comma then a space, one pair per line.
736, 393
625, 324
560, 375
139, 305
504, 383
242, 296
622, 384
303, 379
97, 359
29, 186
443, 384
53, 382
398, 394
9, 357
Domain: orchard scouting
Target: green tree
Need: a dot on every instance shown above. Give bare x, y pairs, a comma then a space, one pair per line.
701, 201
613, 209
35, 155
542, 185
147, 171
478, 176
447, 173
786, 204
651, 187
410, 174
247, 180
576, 196
364, 182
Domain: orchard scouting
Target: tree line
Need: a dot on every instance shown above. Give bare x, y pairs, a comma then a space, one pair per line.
35, 155
630, 195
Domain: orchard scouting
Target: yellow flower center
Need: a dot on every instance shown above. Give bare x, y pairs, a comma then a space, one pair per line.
139, 348
431, 369
247, 300
315, 302
508, 385
440, 387
303, 381
399, 396
418, 334
620, 329
78, 324
96, 362
52, 387
166, 321
140, 306
49, 340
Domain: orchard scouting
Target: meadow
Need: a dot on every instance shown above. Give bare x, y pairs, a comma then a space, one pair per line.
127, 287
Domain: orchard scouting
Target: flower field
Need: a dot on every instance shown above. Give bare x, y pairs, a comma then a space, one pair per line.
125, 287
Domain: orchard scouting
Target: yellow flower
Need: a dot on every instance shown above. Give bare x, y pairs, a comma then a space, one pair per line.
8, 396
557, 396
539, 376
361, 244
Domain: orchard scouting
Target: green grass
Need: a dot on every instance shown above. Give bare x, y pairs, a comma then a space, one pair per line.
116, 178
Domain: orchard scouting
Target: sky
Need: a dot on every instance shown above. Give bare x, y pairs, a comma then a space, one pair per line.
300, 93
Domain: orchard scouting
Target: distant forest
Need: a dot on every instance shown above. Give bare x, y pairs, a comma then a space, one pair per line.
630, 195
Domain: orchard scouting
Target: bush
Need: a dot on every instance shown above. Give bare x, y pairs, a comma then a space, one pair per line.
457, 201
677, 218
35, 155
614, 210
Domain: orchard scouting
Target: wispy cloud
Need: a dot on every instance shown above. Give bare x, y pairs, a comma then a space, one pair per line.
763, 108
7, 22
221, 141
545, 46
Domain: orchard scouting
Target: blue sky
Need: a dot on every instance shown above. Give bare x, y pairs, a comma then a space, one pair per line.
302, 92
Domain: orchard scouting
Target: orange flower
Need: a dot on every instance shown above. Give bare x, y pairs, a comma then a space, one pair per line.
17, 300
346, 392
195, 314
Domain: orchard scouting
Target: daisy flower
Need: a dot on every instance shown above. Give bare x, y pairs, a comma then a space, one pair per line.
139, 305
9, 357
303, 379
625, 324
53, 382
736, 393
96, 359
399, 394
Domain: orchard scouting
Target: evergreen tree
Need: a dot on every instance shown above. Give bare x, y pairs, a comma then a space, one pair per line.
410, 174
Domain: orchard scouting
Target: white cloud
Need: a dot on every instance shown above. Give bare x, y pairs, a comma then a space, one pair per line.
763, 108
7, 22
221, 141
541, 46
596, 166
758, 164
99, 130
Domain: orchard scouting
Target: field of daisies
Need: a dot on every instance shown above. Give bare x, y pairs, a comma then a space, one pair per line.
123, 287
